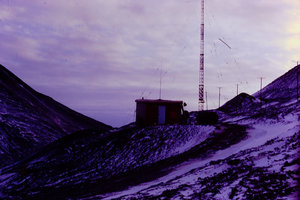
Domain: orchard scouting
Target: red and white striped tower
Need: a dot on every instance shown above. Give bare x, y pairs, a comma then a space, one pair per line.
201, 73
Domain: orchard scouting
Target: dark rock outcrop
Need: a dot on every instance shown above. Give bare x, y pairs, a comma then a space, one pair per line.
30, 120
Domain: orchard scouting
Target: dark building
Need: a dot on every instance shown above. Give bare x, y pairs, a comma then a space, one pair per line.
152, 112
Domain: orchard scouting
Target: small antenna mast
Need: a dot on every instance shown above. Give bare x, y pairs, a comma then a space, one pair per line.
161, 74
160, 77
297, 83
219, 96
261, 83
206, 100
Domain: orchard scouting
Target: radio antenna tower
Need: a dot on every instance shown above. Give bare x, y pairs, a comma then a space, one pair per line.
201, 73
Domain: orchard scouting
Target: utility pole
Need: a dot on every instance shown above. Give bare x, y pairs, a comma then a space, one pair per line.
296, 61
160, 84
219, 96
206, 100
261, 78
297, 79
161, 75
201, 72
297, 82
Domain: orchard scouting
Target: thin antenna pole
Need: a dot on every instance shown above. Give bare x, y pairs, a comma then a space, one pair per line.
206, 100
237, 89
160, 84
297, 83
161, 75
261, 78
219, 96
296, 61
201, 72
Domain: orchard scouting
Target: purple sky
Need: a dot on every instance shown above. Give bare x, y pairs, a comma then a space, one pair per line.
98, 56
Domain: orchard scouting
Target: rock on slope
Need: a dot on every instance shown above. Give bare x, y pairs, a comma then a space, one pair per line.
30, 120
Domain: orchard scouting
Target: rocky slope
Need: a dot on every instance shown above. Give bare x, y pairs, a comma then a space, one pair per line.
264, 165
270, 102
30, 120
252, 153
283, 89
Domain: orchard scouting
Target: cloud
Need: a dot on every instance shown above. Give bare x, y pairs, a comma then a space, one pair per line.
99, 56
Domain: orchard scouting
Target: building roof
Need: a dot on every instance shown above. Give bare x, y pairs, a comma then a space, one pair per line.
158, 101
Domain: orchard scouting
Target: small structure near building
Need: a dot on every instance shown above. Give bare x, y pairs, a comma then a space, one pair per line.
207, 118
153, 112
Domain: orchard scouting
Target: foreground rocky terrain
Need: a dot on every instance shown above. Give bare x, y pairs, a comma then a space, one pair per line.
251, 153
246, 170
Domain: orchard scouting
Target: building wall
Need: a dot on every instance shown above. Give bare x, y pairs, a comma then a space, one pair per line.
147, 113
140, 110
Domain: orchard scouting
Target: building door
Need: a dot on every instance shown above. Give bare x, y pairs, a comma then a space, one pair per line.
161, 114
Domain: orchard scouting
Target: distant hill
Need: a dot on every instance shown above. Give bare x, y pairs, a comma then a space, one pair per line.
282, 89
277, 94
30, 120
240, 104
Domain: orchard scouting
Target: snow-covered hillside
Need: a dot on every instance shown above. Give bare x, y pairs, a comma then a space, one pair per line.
263, 166
283, 89
30, 120
87, 157
251, 153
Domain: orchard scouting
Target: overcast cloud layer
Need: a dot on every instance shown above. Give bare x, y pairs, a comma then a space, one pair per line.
98, 56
